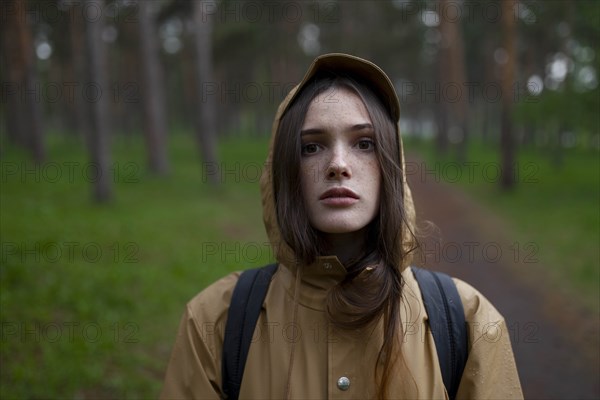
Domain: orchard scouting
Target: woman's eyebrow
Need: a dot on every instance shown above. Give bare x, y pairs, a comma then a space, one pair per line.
352, 128
360, 127
312, 131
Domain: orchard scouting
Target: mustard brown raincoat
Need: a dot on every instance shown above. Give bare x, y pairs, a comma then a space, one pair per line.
296, 354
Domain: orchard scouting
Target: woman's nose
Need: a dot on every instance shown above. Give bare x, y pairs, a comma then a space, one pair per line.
339, 166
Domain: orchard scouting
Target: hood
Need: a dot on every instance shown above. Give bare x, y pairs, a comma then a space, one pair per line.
365, 70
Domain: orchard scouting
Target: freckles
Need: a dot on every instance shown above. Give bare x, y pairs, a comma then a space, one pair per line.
373, 166
309, 175
369, 168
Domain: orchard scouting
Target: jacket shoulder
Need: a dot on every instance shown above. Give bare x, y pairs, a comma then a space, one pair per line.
490, 371
194, 369
476, 306
211, 305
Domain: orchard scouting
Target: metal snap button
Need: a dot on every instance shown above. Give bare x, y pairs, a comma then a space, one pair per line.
343, 383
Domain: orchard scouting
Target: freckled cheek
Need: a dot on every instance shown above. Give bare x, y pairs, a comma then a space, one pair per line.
308, 177
371, 175
312, 172
370, 169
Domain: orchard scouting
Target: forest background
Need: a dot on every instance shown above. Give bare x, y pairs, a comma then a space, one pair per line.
133, 134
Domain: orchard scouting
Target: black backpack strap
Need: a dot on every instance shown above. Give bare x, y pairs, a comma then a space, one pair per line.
247, 300
447, 323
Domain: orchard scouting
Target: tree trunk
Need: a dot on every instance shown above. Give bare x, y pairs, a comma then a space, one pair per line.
155, 124
15, 129
507, 141
442, 108
441, 139
186, 57
26, 98
98, 104
457, 75
488, 132
206, 125
80, 121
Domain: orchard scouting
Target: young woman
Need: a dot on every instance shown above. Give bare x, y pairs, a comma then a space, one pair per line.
343, 316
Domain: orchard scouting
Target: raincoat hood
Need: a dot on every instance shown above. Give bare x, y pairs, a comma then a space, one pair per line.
359, 69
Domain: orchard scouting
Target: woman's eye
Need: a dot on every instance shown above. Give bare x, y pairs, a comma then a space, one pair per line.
310, 148
366, 144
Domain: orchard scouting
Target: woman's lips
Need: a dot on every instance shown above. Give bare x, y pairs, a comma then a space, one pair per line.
339, 197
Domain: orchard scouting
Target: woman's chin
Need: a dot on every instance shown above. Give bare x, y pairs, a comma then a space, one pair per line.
339, 227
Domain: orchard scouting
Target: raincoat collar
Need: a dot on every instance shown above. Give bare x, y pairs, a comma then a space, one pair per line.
317, 279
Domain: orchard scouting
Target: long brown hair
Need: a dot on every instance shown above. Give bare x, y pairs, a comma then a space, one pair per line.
364, 295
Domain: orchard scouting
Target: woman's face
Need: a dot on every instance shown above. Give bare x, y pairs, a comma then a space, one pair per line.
340, 172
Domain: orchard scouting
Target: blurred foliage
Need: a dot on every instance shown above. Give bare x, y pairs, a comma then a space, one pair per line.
571, 106
91, 296
261, 48
555, 208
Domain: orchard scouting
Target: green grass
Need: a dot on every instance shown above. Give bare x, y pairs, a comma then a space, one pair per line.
555, 206
78, 323
91, 295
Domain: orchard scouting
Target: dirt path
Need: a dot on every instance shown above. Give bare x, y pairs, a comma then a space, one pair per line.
556, 344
